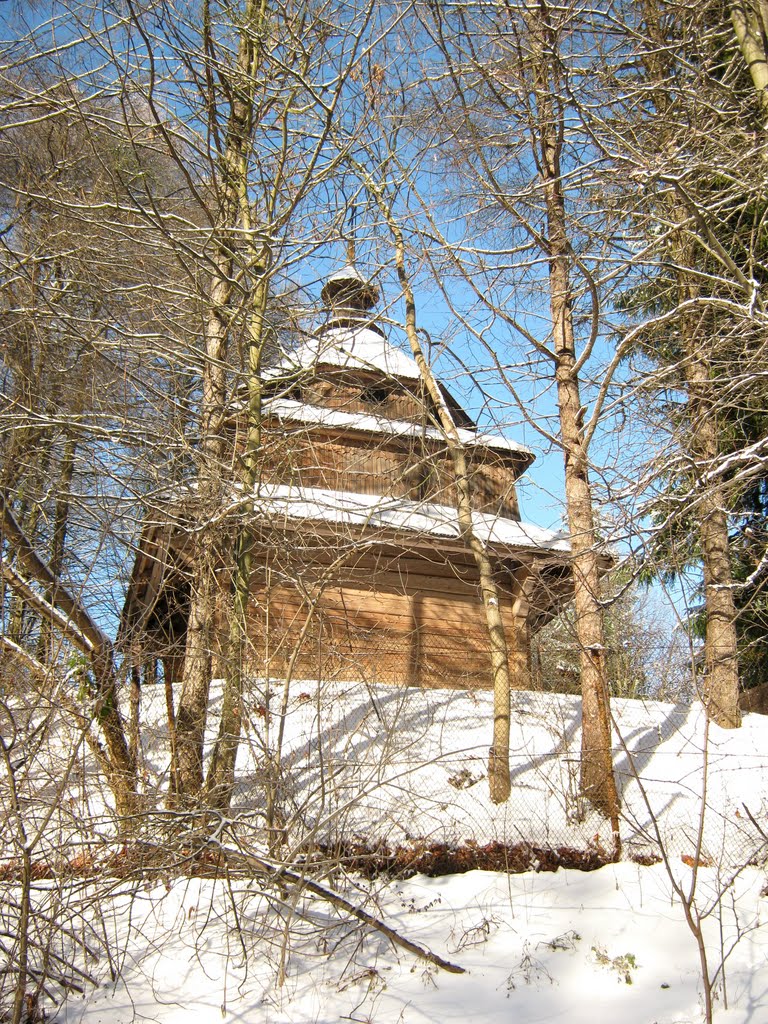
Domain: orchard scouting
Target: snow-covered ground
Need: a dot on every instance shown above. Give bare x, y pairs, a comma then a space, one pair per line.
381, 765
570, 947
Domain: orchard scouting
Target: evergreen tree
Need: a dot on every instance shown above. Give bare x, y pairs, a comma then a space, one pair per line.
689, 134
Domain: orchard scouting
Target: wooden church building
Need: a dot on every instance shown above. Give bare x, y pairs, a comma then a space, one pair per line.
358, 567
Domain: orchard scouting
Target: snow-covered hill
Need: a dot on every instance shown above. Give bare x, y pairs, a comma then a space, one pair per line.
400, 764
386, 768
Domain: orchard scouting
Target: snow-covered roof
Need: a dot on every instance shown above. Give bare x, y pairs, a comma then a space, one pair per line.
349, 273
357, 291
299, 412
361, 348
375, 511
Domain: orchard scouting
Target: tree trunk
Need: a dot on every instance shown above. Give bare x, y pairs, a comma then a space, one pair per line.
721, 659
193, 702
192, 714
58, 541
598, 784
498, 756
750, 23
597, 780
698, 333
221, 776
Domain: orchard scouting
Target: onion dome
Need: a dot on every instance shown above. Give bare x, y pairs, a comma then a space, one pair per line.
351, 337
349, 296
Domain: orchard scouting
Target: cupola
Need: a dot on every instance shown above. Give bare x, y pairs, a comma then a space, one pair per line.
350, 297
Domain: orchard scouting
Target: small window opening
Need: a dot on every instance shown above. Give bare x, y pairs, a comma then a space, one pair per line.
376, 394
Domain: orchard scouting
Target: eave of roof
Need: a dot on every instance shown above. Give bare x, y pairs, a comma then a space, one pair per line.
349, 348
286, 409
377, 512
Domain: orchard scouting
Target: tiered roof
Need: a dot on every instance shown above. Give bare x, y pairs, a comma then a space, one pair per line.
352, 339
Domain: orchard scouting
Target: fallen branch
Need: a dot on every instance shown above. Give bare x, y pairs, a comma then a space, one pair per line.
278, 873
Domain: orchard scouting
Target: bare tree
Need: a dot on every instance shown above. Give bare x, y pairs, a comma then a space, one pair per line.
191, 181
498, 758
260, 101
67, 382
505, 121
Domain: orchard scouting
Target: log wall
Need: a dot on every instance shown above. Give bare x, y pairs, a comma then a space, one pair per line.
411, 469
406, 624
339, 605
363, 392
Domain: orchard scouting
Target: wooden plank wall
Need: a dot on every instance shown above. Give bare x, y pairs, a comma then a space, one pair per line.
412, 470
363, 392
407, 626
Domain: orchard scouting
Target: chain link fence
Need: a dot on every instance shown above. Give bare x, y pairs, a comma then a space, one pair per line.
357, 776
387, 769
397, 773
